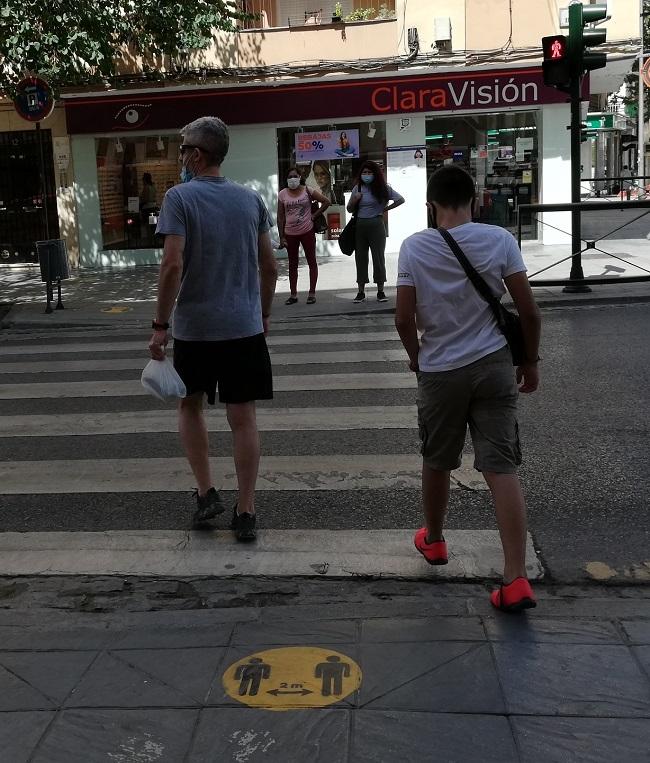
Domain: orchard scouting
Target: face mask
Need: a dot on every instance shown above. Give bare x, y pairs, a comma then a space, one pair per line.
293, 183
186, 175
367, 178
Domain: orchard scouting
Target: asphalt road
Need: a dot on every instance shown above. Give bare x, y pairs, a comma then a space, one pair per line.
584, 437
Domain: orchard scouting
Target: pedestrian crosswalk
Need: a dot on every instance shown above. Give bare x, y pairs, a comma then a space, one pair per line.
139, 472
340, 444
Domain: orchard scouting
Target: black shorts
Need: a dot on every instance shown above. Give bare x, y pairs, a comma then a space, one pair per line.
241, 368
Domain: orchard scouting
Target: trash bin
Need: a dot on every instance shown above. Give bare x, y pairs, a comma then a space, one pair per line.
53, 259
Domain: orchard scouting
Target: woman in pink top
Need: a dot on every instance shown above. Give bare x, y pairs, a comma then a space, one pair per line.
296, 226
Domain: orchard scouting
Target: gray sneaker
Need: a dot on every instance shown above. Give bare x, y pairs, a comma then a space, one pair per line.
207, 507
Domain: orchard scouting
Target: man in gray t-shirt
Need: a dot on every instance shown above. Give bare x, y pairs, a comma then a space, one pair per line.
218, 267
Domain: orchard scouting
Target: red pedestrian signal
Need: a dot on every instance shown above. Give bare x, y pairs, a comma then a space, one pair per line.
556, 64
555, 47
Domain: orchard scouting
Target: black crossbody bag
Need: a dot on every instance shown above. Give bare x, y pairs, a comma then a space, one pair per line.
347, 237
509, 323
320, 223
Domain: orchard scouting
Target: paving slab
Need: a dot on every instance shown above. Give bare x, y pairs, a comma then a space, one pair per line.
20, 733
296, 632
173, 637
118, 735
381, 736
638, 631
595, 680
551, 631
420, 629
17, 694
475, 554
582, 740
262, 736
53, 674
148, 678
444, 677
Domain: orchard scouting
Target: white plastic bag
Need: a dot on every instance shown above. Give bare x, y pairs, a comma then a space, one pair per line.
160, 379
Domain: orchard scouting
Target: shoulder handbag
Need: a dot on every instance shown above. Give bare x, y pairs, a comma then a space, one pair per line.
509, 323
320, 223
348, 235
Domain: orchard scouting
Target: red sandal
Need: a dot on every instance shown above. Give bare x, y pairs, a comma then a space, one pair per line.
514, 597
434, 553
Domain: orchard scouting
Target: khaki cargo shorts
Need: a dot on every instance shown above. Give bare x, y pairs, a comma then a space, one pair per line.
483, 396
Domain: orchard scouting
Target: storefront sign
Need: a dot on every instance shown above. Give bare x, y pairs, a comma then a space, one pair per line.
600, 121
330, 144
325, 100
34, 100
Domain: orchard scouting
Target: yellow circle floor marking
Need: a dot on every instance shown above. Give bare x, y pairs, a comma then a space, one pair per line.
115, 309
292, 677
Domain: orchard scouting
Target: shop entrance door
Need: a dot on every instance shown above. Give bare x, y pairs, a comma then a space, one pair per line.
22, 205
500, 151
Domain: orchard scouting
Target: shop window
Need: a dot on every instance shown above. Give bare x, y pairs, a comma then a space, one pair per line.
500, 151
133, 174
26, 213
329, 158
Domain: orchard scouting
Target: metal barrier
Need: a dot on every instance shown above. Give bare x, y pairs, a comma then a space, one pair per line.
620, 185
581, 283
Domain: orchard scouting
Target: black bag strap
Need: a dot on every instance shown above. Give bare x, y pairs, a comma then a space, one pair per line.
477, 281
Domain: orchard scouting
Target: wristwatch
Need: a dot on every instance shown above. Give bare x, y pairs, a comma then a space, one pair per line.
159, 326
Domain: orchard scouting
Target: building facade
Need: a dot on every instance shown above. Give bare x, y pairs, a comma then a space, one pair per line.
409, 89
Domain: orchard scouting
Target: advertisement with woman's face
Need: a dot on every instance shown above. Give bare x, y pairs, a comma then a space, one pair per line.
320, 178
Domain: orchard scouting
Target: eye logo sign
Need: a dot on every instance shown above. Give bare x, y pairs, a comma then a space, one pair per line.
132, 116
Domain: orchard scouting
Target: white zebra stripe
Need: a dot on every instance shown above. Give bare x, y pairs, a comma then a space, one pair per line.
268, 420
273, 341
277, 473
278, 553
281, 359
132, 387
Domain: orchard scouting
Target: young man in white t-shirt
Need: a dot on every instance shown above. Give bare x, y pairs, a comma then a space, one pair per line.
464, 369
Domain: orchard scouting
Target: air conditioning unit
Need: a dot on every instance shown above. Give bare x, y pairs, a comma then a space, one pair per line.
442, 33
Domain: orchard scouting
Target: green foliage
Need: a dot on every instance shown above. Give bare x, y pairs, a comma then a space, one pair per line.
361, 14
338, 10
369, 14
385, 12
72, 42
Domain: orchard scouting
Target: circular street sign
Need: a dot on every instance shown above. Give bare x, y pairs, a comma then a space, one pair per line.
34, 99
645, 72
292, 677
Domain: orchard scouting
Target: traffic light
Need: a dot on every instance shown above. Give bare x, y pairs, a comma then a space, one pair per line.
557, 64
581, 39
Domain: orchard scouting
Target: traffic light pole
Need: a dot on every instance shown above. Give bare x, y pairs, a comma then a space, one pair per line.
576, 239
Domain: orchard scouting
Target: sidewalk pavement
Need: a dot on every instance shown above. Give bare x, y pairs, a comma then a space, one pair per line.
267, 671
126, 296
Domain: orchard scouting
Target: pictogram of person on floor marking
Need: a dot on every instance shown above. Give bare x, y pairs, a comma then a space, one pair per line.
332, 672
250, 676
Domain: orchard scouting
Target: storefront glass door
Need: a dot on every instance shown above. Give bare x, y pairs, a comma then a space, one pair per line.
500, 151
22, 205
